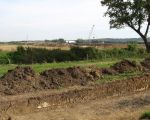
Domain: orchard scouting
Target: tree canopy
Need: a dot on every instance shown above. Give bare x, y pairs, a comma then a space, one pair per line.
132, 13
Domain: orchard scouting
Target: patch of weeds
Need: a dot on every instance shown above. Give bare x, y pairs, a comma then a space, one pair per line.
145, 116
121, 76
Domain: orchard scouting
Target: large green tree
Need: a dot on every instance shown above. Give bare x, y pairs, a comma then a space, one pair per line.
132, 13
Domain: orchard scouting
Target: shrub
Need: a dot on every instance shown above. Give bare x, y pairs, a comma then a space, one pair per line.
40, 55
145, 116
132, 46
84, 53
4, 58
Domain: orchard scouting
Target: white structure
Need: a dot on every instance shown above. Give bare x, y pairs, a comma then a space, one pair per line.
70, 41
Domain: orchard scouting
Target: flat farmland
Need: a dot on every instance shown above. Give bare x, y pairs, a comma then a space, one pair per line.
13, 47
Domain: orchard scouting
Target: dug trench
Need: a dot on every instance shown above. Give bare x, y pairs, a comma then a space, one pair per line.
21, 92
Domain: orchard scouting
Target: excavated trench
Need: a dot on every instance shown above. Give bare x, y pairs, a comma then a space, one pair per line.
23, 91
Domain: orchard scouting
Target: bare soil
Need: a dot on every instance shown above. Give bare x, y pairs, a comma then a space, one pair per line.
25, 95
146, 64
122, 67
19, 80
24, 79
128, 107
32, 103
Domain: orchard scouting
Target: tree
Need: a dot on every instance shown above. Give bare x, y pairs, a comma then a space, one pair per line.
132, 13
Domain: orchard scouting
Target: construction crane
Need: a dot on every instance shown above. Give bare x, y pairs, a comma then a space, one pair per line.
91, 31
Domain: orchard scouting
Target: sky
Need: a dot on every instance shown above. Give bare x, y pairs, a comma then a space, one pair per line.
53, 19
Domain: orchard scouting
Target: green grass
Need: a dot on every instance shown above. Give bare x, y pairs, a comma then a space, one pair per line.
3, 53
145, 116
41, 67
122, 76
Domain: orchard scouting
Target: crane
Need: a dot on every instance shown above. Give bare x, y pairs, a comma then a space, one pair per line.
91, 31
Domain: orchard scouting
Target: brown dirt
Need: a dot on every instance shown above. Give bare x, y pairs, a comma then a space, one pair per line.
28, 89
128, 107
121, 67
19, 80
69, 76
26, 104
24, 79
126, 66
146, 63
109, 71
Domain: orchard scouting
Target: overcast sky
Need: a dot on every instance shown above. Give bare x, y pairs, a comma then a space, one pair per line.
50, 19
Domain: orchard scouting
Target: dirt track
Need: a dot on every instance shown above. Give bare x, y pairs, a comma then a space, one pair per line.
127, 107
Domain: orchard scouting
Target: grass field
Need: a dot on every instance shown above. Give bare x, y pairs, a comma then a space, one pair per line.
41, 67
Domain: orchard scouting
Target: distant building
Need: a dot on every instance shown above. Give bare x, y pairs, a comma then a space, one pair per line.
70, 41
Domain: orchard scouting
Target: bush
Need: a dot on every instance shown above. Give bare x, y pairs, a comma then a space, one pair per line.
145, 116
39, 55
4, 58
60, 56
84, 53
28, 55
132, 46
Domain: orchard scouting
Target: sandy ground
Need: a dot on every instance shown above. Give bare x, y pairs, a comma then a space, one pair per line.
128, 107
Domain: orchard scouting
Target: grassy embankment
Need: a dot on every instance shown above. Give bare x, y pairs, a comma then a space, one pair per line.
41, 67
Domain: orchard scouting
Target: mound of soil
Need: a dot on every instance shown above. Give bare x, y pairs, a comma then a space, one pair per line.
146, 63
109, 71
55, 78
126, 66
24, 79
19, 80
121, 67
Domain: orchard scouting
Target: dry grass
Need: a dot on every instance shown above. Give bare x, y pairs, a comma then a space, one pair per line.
14, 47
10, 47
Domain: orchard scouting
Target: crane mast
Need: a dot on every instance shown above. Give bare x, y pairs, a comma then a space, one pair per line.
91, 32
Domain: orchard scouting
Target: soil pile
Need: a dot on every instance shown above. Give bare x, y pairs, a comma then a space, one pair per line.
24, 79
55, 78
146, 63
19, 80
109, 71
126, 66
121, 67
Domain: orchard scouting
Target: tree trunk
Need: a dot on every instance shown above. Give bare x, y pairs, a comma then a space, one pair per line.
147, 45
144, 37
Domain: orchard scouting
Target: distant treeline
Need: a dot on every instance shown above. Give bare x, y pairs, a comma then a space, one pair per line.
110, 40
38, 55
79, 41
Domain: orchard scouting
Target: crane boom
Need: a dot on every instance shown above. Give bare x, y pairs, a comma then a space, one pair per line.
91, 31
